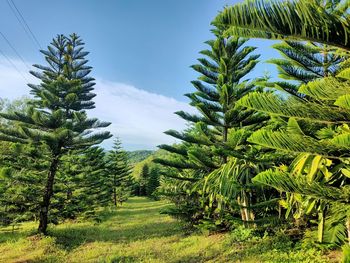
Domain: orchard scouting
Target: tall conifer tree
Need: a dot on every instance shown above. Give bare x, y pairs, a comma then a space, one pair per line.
58, 118
221, 127
95, 178
120, 173
320, 171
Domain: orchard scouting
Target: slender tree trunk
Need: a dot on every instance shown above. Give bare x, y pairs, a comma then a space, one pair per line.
321, 221
224, 139
251, 213
245, 203
224, 134
241, 209
114, 196
279, 211
114, 191
244, 215
44, 209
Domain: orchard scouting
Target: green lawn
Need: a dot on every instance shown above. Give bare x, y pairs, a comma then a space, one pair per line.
137, 232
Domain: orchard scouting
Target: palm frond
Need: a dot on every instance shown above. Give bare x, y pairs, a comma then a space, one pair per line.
291, 142
286, 182
302, 19
293, 107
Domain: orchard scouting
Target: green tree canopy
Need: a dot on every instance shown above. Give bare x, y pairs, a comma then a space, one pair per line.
57, 117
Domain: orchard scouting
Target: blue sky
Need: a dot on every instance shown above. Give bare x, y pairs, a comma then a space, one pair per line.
141, 52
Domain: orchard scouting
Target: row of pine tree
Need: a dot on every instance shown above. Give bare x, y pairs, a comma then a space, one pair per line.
267, 153
263, 153
50, 167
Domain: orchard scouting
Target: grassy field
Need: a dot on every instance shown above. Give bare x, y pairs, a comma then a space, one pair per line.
138, 233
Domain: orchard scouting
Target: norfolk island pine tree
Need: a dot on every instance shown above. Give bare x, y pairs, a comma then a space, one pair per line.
57, 118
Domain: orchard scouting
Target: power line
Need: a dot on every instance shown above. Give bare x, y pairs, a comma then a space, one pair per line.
31, 32
23, 22
14, 50
13, 65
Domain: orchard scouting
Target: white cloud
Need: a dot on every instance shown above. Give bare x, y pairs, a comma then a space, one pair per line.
13, 83
138, 117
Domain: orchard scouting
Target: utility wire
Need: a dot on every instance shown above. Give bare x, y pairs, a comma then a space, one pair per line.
23, 22
14, 50
13, 65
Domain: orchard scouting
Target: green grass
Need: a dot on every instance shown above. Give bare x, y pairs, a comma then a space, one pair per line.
138, 233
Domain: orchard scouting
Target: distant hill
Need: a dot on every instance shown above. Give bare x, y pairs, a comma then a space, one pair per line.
138, 156
150, 156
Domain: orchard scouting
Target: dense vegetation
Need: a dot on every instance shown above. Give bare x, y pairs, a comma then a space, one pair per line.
268, 154
50, 168
135, 157
266, 160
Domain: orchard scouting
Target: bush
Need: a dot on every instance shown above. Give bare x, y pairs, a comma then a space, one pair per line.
346, 254
241, 234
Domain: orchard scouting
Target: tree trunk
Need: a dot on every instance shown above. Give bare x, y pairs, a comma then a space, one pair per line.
114, 190
115, 196
246, 213
251, 213
279, 211
245, 205
321, 221
224, 139
224, 134
44, 209
243, 215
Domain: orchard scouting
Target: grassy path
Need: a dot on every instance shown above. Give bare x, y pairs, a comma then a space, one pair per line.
138, 233
134, 233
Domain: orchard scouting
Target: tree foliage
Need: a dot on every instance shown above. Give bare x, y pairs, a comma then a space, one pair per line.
57, 118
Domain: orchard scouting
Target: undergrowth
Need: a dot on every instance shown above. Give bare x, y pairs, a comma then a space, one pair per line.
137, 232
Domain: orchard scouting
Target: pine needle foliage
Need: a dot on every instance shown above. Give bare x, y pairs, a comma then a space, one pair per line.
119, 172
317, 112
218, 131
307, 20
57, 118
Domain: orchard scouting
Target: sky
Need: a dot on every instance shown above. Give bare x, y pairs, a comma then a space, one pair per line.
140, 50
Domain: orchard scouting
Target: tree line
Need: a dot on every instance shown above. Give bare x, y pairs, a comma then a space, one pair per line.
261, 153
50, 166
